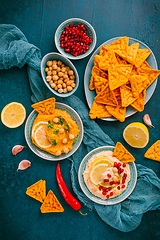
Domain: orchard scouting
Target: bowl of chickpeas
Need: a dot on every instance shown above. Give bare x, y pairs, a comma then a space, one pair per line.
59, 74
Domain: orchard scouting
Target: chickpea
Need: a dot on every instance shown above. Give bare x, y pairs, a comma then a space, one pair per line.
73, 85
72, 77
58, 69
49, 63
55, 120
50, 68
114, 169
67, 68
58, 153
65, 76
69, 88
65, 150
68, 83
61, 130
54, 67
71, 136
60, 90
64, 85
63, 69
56, 82
49, 73
55, 77
53, 85
60, 74
54, 72
48, 78
56, 88
46, 70
59, 85
50, 82
64, 141
60, 81
54, 62
116, 192
114, 178
66, 80
70, 72
62, 65
65, 90
59, 63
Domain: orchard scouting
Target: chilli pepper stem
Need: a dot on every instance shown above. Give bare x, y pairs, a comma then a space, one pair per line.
65, 192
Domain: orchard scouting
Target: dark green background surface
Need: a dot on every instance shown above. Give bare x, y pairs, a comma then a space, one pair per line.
20, 216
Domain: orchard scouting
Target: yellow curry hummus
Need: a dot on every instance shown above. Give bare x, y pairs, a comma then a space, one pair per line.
54, 131
111, 175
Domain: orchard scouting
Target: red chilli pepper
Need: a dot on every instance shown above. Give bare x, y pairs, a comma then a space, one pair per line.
65, 192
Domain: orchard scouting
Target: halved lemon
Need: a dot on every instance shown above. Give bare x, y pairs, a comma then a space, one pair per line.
136, 135
13, 115
36, 126
96, 173
41, 138
102, 160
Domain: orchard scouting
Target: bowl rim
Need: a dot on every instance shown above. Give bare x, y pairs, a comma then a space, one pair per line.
79, 56
75, 71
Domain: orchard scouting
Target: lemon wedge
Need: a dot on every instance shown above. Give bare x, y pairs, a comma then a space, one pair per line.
96, 173
36, 126
41, 138
136, 135
13, 115
102, 160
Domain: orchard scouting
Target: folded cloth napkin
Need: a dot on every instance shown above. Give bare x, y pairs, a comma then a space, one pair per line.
125, 216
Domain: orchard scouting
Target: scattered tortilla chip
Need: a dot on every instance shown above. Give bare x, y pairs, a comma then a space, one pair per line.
151, 75
138, 83
142, 55
138, 104
108, 60
118, 111
45, 107
98, 110
126, 96
122, 154
106, 96
153, 152
37, 190
51, 204
118, 75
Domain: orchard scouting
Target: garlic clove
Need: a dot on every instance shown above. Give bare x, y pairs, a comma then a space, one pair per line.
24, 164
16, 149
147, 120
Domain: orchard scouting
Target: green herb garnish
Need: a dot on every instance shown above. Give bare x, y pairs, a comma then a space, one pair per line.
50, 125
75, 139
60, 120
55, 131
54, 142
66, 127
51, 138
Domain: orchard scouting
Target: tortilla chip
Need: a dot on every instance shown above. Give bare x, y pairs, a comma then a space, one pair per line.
108, 60
153, 152
138, 104
98, 72
103, 50
142, 55
91, 85
134, 71
118, 111
138, 83
51, 204
121, 45
122, 154
106, 96
120, 60
130, 54
45, 107
126, 96
97, 59
118, 75
98, 110
100, 83
37, 190
145, 65
151, 75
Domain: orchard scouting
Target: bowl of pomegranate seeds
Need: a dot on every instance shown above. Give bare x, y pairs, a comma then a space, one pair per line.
75, 38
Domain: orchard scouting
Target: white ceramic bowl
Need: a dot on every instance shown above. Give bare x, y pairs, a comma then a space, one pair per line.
56, 56
89, 30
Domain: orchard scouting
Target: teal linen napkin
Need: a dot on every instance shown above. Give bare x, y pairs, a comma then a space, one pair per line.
125, 216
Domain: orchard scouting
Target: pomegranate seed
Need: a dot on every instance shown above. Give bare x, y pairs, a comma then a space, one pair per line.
118, 182
104, 193
111, 193
122, 170
125, 175
109, 189
124, 165
115, 164
100, 188
123, 186
123, 181
119, 164
118, 187
111, 183
109, 175
107, 196
114, 182
71, 25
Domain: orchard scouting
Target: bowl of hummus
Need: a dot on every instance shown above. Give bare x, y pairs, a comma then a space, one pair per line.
104, 179
63, 133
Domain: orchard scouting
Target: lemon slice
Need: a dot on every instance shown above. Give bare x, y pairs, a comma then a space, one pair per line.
36, 126
136, 135
102, 160
13, 115
96, 173
41, 138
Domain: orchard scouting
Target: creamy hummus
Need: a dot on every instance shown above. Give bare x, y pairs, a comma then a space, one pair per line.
113, 181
